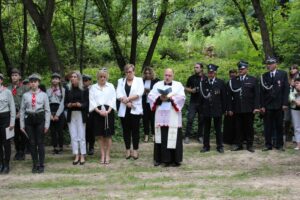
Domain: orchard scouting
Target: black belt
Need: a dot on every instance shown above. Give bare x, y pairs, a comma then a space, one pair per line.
4, 114
35, 114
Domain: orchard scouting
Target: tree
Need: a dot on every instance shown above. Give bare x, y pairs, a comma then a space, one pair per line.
161, 21
25, 42
242, 13
104, 11
3, 50
263, 28
82, 37
43, 20
134, 32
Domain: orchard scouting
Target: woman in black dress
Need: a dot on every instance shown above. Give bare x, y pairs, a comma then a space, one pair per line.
102, 98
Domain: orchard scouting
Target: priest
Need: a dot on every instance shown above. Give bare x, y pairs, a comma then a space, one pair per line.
167, 100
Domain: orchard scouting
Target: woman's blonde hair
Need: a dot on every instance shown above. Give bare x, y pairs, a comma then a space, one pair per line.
128, 66
102, 71
151, 71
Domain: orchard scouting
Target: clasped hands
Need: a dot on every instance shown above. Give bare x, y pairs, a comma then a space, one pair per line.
71, 105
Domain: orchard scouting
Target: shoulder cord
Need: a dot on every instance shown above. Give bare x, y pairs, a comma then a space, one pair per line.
263, 84
237, 90
201, 90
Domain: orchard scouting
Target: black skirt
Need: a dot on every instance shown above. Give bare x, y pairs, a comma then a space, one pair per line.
98, 124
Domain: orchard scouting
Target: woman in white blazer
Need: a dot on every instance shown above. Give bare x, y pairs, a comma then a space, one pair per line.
129, 93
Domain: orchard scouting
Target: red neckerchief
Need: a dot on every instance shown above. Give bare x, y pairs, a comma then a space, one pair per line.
55, 91
33, 98
14, 90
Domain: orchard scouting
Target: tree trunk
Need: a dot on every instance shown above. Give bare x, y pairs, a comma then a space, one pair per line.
6, 59
162, 17
134, 32
43, 20
82, 37
25, 42
242, 12
104, 11
263, 29
74, 38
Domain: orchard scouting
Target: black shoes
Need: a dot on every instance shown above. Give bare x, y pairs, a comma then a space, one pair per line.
19, 156
220, 150
250, 149
267, 149
57, 151
237, 148
35, 169
4, 169
76, 162
280, 148
156, 163
41, 169
91, 152
204, 150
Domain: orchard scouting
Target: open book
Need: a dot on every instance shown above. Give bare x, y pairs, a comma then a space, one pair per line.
165, 90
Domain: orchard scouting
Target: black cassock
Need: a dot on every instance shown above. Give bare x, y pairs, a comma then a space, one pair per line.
164, 155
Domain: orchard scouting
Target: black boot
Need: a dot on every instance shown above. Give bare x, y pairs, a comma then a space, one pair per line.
1, 167
5, 169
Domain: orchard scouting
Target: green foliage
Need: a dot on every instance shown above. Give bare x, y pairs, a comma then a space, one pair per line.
288, 42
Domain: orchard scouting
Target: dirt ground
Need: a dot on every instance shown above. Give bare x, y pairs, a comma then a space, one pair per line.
232, 175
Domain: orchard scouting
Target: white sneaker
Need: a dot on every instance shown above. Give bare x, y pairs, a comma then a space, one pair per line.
296, 148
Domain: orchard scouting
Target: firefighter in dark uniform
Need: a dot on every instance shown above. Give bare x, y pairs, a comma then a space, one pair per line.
274, 100
213, 91
244, 94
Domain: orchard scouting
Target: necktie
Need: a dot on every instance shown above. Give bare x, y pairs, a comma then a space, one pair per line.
14, 91
211, 81
33, 100
242, 78
168, 83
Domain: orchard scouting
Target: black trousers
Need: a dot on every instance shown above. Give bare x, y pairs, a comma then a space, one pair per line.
148, 119
207, 126
164, 155
244, 129
20, 139
5, 145
131, 125
273, 122
89, 133
57, 134
193, 109
229, 129
34, 126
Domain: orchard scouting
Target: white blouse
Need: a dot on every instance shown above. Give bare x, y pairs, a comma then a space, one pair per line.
102, 96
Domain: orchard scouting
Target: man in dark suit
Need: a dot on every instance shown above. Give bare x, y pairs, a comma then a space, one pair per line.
274, 100
192, 87
244, 102
214, 93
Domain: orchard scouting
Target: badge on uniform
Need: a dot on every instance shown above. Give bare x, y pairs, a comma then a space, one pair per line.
217, 92
279, 83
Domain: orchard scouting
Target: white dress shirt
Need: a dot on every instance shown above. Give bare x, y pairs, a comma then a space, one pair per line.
99, 96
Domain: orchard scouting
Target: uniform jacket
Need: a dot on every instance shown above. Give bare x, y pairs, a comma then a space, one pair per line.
214, 103
243, 96
274, 93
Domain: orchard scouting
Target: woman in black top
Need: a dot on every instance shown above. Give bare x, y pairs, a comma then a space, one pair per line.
148, 116
76, 101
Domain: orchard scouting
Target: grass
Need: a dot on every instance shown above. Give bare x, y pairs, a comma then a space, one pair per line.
233, 175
